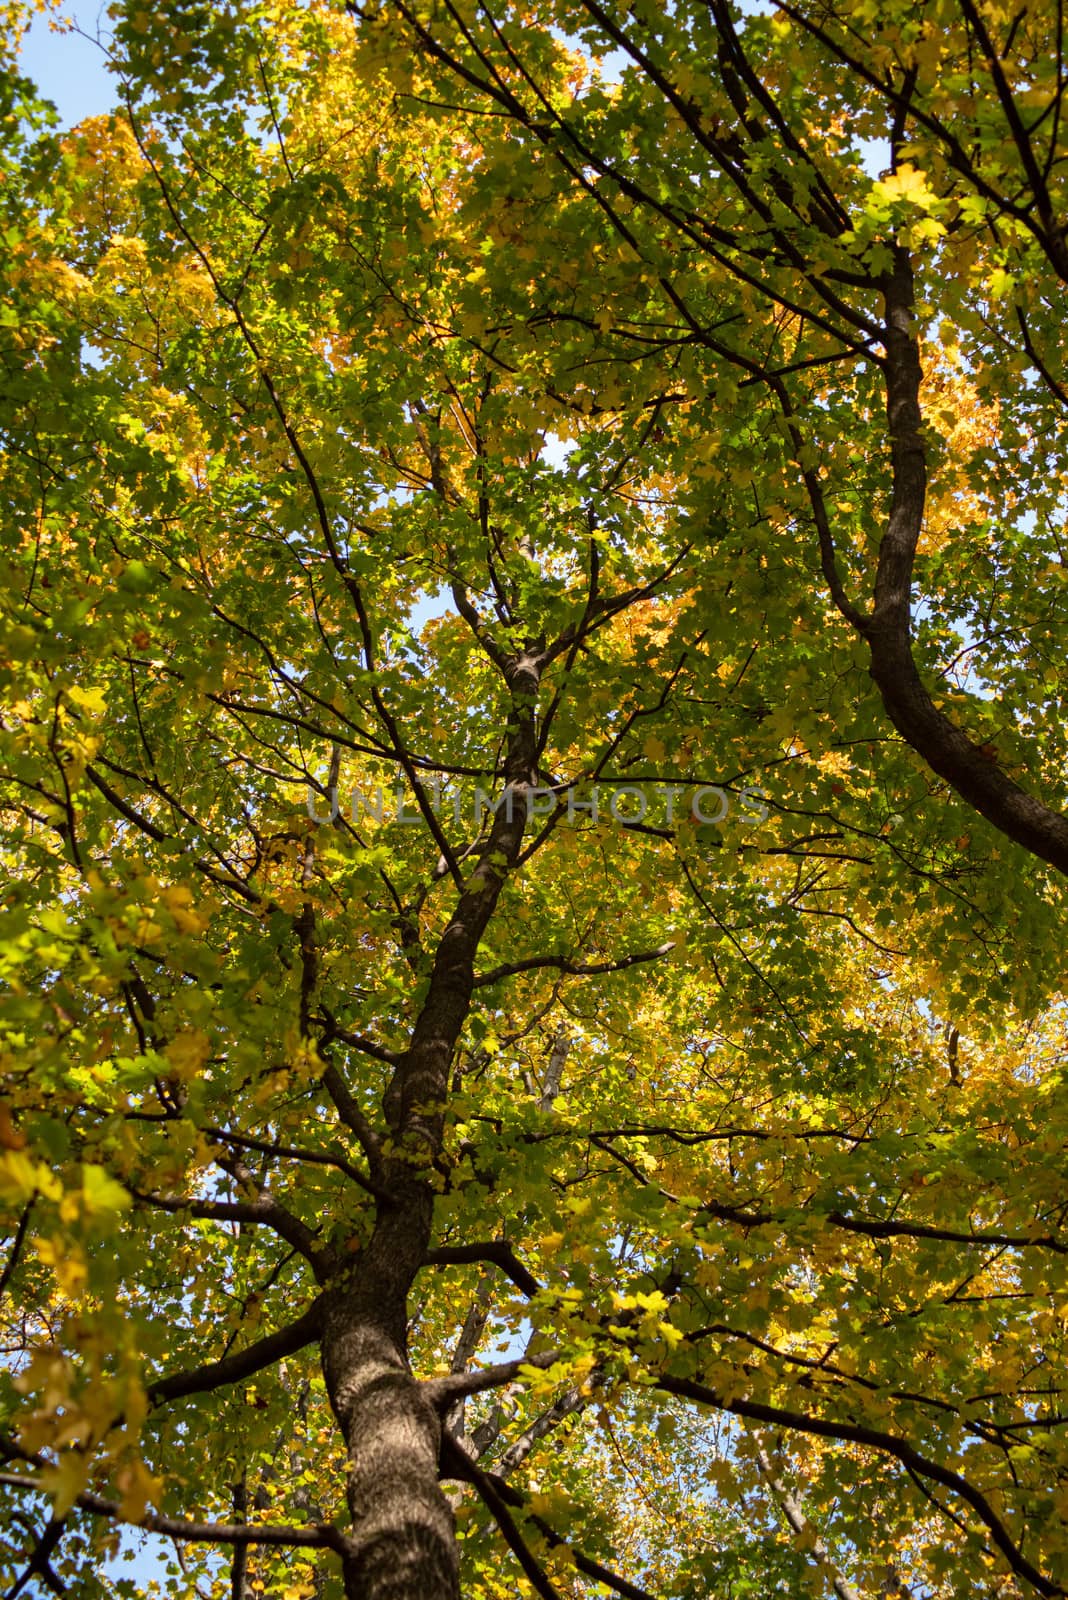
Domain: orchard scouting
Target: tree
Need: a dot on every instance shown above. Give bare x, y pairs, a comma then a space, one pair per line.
554, 1090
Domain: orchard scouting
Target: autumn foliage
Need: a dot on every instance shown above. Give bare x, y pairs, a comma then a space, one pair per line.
532, 767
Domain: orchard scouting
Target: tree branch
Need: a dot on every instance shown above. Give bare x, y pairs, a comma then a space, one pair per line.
497, 1252
292, 1153
580, 969
444, 1392
318, 1535
232, 1369
263, 1212
795, 1516
16, 1245
886, 1444
499, 1496
351, 1115
945, 747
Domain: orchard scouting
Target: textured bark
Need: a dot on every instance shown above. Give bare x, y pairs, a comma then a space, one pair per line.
402, 1544
402, 1535
964, 765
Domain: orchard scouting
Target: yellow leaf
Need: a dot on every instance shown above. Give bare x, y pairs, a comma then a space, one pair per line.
101, 1195
67, 1262
138, 1488
92, 701
66, 1481
905, 184
48, 1371
188, 1051
21, 1178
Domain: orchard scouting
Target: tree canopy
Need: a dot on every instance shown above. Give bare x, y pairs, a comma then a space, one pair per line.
533, 769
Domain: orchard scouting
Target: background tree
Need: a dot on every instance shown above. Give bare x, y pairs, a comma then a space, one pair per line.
731, 166
530, 1192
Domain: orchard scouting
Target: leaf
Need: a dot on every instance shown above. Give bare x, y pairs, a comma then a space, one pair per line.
139, 1490
906, 183
697, 1112
65, 1481
102, 1197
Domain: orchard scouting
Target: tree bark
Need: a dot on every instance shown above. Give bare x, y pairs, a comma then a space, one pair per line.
966, 766
402, 1538
402, 1543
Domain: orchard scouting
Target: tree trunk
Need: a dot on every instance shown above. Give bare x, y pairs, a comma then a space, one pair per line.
970, 769
402, 1535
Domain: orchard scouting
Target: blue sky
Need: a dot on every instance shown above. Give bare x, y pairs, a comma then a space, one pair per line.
69, 68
